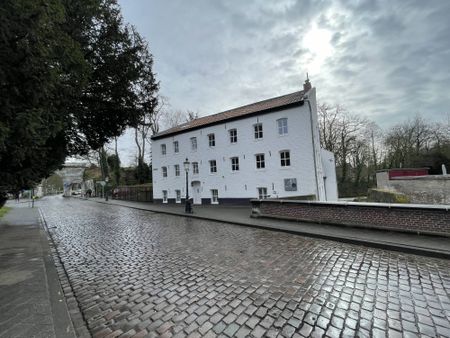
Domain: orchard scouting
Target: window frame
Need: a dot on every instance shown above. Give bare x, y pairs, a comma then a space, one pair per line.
262, 196
211, 140
285, 161
233, 135
163, 149
194, 144
177, 170
234, 166
177, 196
211, 166
164, 172
258, 131
215, 197
282, 127
176, 147
260, 161
194, 167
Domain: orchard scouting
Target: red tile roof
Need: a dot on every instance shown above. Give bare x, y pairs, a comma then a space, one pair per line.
269, 105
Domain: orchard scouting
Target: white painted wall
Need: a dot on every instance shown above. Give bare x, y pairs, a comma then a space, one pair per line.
311, 103
244, 183
329, 170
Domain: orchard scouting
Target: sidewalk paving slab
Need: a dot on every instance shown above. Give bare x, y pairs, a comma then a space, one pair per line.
33, 302
433, 246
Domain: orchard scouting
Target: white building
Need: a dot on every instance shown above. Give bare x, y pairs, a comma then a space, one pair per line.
265, 149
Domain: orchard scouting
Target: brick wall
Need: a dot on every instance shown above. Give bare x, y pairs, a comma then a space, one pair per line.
433, 220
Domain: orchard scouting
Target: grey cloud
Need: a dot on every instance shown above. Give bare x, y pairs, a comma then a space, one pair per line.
299, 52
336, 37
387, 26
362, 6
389, 60
283, 41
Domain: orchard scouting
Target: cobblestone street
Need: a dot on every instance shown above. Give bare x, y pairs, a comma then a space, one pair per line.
142, 274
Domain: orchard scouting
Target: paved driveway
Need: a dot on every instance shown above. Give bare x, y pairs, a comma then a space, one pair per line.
137, 273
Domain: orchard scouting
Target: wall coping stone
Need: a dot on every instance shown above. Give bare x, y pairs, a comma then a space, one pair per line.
357, 204
421, 178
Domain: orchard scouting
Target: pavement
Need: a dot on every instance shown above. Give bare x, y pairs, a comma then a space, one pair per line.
433, 246
32, 301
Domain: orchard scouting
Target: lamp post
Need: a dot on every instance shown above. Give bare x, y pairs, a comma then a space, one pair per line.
106, 188
187, 204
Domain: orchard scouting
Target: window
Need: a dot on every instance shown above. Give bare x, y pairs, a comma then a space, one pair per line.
164, 171
212, 140
177, 169
178, 196
214, 196
262, 193
234, 163
282, 126
233, 135
195, 168
213, 166
176, 147
260, 161
193, 143
285, 158
258, 131
163, 149
164, 196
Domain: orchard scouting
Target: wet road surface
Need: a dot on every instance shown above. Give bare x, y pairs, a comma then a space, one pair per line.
137, 273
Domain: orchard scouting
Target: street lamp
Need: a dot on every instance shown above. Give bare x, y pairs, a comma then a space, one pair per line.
106, 188
187, 204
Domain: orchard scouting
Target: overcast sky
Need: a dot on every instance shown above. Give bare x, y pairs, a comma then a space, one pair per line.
386, 60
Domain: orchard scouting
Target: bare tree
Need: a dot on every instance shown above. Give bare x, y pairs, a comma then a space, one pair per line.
339, 133
408, 140
173, 118
355, 141
328, 119
375, 134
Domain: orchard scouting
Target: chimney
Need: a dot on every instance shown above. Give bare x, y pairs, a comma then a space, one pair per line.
307, 85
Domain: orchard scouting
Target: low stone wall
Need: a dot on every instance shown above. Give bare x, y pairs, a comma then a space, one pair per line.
430, 189
386, 196
423, 219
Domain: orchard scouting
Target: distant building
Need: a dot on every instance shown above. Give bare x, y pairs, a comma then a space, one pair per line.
265, 149
416, 184
72, 176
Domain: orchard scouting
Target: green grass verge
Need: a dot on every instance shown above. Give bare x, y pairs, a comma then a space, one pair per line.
3, 211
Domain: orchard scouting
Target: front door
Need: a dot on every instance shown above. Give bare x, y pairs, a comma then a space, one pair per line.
196, 192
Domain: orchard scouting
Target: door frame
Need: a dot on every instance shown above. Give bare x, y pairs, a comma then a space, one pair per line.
196, 192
